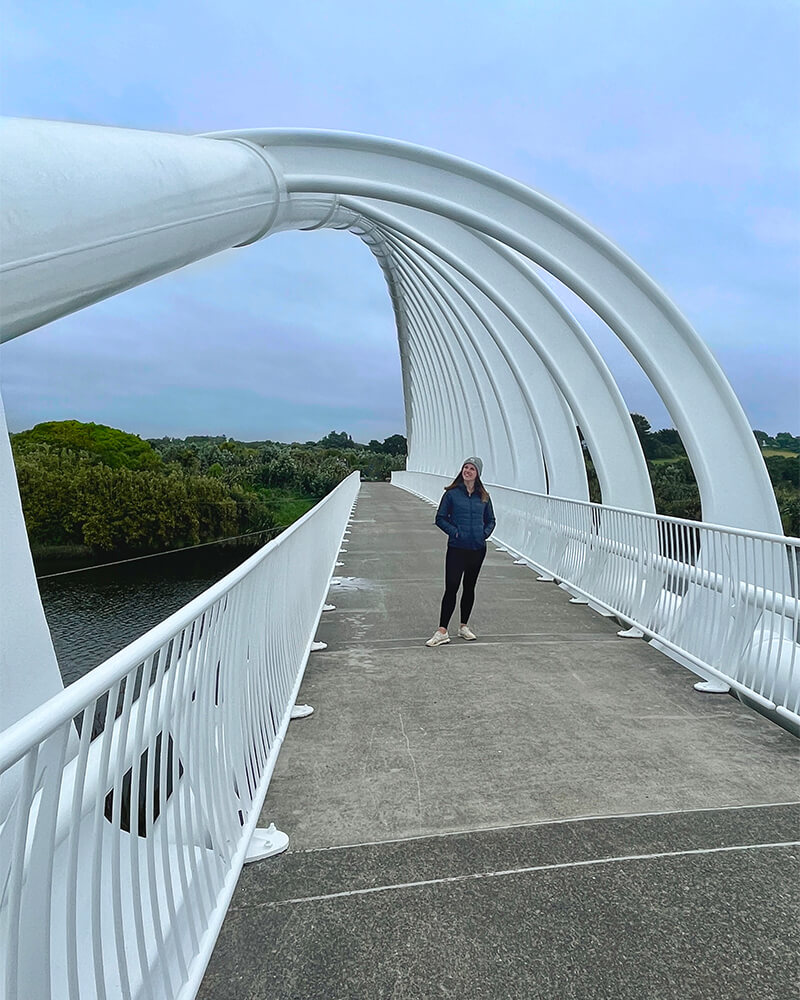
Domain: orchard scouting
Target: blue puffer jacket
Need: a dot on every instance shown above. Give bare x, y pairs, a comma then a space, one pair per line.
466, 519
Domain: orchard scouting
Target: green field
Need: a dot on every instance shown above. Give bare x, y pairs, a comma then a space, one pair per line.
766, 452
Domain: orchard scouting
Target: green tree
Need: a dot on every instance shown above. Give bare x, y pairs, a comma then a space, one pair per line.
396, 444
675, 489
642, 425
337, 439
669, 442
787, 441
281, 471
783, 469
113, 447
789, 509
764, 440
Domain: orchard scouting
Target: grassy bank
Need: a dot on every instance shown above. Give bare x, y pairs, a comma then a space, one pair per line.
284, 507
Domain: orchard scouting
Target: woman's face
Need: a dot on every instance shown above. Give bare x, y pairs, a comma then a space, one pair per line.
469, 473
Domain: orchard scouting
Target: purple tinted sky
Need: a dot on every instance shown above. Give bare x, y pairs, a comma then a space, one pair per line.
672, 127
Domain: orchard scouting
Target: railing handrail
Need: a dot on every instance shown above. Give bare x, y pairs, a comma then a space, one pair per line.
685, 521
40, 723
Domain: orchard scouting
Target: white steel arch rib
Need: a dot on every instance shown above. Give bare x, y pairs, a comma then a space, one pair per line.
488, 335
144, 203
724, 455
503, 456
562, 346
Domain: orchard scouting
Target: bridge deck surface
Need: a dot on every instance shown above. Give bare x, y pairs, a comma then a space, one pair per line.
548, 812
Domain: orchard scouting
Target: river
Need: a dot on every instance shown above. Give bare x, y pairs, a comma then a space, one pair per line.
95, 613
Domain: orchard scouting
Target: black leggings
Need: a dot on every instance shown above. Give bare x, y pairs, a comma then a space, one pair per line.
460, 563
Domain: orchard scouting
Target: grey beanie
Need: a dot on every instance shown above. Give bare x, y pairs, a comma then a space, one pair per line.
477, 462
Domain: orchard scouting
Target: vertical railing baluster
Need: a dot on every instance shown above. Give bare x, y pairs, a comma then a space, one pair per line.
169, 749
22, 806
116, 784
156, 747
200, 731
186, 834
134, 839
73, 847
769, 616
98, 842
792, 553
760, 585
750, 655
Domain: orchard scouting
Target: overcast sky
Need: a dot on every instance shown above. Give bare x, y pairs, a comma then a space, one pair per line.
673, 127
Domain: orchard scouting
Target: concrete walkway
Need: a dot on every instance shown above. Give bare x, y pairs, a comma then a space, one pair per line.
549, 812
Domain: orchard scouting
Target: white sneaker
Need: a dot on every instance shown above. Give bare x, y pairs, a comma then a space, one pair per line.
466, 632
438, 638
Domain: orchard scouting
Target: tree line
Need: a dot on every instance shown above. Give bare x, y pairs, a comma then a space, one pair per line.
675, 488
89, 489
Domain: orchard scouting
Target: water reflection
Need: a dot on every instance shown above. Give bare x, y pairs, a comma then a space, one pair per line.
95, 613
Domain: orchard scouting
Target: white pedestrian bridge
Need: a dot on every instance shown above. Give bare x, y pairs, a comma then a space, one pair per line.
130, 800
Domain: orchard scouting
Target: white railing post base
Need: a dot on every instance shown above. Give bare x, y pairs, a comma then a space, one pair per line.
712, 687
328, 607
301, 712
631, 633
265, 843
544, 578
520, 562
578, 600
316, 647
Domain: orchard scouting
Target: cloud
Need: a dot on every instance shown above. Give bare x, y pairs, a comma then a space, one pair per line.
672, 127
251, 326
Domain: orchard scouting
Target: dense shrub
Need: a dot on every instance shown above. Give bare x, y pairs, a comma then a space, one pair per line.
95, 486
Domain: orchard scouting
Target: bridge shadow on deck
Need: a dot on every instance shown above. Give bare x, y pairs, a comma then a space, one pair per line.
548, 812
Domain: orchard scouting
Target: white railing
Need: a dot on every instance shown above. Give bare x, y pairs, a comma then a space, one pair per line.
128, 801
721, 601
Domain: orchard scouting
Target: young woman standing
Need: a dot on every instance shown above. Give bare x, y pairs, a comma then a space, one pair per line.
465, 515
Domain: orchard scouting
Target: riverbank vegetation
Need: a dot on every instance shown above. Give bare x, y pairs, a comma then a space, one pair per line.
92, 491
675, 487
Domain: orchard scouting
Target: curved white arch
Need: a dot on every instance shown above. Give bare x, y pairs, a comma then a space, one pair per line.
558, 341
734, 487
90, 211
487, 374
556, 435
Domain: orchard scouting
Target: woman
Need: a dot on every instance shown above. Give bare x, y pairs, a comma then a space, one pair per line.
465, 514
